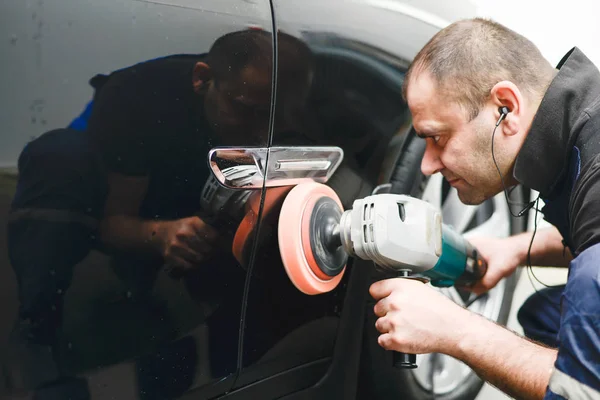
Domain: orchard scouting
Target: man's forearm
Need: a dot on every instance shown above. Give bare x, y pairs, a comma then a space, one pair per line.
515, 365
122, 229
127, 233
547, 249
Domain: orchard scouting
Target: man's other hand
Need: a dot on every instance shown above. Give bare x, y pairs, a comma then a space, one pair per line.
502, 260
186, 242
415, 318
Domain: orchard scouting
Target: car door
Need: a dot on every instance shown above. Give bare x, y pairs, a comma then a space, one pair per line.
335, 87
324, 346
85, 316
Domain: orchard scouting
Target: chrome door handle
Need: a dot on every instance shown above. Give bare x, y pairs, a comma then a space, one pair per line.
247, 168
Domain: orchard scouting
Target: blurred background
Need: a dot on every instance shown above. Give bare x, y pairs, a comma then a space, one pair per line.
554, 27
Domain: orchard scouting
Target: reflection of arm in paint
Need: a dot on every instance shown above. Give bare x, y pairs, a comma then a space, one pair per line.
115, 127
119, 126
182, 243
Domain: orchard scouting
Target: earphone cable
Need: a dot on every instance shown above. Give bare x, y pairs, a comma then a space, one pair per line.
528, 205
521, 214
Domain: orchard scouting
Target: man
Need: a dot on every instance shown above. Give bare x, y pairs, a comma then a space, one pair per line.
548, 139
126, 176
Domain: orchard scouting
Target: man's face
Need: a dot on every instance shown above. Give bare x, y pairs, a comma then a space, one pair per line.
238, 107
460, 150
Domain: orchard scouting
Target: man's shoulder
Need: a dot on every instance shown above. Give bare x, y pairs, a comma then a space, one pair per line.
584, 180
585, 205
588, 172
587, 145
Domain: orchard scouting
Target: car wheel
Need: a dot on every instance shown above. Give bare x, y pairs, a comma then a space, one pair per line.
440, 376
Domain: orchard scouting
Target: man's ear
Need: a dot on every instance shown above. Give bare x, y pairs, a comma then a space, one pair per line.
507, 94
201, 75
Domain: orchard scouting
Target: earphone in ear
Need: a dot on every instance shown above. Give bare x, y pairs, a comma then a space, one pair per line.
503, 113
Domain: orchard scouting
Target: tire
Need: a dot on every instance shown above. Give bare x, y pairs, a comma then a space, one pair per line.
379, 380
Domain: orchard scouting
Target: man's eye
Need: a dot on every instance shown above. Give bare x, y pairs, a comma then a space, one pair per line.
435, 138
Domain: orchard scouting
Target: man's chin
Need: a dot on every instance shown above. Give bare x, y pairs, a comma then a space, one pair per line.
470, 198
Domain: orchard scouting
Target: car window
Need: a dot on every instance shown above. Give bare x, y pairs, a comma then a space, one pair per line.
118, 277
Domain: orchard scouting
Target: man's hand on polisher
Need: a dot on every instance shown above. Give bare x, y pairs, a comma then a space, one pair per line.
415, 318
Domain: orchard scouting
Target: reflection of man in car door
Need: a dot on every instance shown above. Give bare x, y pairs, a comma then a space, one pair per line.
126, 176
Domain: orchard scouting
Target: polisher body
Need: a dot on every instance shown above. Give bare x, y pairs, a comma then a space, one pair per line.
397, 232
403, 233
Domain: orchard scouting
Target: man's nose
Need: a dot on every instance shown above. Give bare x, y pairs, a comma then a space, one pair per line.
431, 162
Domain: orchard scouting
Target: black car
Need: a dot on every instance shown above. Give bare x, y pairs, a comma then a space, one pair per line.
79, 74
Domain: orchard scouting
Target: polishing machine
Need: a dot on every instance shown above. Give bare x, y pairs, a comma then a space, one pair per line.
399, 233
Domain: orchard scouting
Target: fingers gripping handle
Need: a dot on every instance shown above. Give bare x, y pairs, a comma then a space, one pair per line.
404, 360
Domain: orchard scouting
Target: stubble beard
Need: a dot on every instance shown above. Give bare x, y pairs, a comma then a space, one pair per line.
486, 183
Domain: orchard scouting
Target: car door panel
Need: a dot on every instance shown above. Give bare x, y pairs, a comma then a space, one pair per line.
352, 100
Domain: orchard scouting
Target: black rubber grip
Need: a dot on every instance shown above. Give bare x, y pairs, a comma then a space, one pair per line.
404, 360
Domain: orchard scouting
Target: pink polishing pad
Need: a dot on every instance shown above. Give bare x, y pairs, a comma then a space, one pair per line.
294, 245
246, 229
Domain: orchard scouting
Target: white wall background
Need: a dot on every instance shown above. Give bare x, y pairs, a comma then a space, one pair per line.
555, 27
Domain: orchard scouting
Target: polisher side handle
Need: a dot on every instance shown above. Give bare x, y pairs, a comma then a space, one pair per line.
404, 360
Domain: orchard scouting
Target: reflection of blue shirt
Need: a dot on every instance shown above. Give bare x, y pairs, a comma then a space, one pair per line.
81, 121
561, 159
